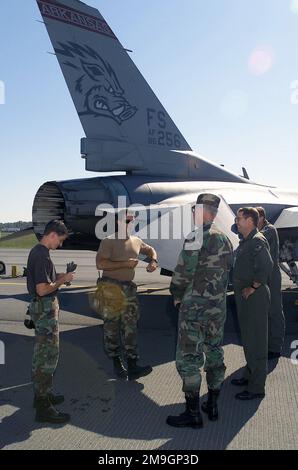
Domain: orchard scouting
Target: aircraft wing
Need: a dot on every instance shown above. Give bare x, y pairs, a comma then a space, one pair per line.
287, 219
172, 243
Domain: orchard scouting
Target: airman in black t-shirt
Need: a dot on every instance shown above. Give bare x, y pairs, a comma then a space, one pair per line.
43, 283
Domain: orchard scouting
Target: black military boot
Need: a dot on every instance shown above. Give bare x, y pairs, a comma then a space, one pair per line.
119, 368
54, 399
210, 406
46, 413
135, 372
191, 417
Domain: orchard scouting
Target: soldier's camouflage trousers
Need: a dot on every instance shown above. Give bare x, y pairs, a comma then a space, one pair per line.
201, 332
120, 314
44, 312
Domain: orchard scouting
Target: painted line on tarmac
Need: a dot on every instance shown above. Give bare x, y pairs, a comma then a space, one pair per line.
12, 284
81, 287
14, 387
153, 289
64, 288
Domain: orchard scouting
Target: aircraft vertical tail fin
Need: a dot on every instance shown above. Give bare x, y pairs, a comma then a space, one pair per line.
126, 126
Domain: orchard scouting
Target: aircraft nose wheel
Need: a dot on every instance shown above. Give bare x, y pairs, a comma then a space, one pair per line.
2, 268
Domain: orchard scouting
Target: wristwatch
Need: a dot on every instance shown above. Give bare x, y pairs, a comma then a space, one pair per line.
155, 261
255, 288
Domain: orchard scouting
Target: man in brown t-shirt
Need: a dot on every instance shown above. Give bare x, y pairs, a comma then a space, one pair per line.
117, 257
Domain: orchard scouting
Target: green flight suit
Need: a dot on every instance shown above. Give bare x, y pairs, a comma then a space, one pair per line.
276, 323
253, 264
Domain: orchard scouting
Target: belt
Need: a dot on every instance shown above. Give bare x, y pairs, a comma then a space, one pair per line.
116, 281
37, 298
243, 281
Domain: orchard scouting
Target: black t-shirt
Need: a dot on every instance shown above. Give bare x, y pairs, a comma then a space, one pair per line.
40, 269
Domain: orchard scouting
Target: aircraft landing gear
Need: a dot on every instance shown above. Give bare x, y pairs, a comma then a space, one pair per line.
287, 256
2, 268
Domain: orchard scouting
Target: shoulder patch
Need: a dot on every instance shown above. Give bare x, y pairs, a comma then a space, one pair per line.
258, 247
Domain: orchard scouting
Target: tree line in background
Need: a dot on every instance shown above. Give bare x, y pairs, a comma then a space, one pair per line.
21, 225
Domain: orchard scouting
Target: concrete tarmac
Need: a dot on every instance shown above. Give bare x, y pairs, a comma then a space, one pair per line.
112, 414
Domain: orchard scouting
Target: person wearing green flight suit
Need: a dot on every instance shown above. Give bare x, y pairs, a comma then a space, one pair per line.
276, 323
199, 287
252, 271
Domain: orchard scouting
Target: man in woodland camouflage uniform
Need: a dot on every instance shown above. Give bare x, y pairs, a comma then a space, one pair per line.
118, 257
199, 285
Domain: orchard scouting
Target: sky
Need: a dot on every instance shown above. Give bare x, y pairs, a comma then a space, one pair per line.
223, 69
